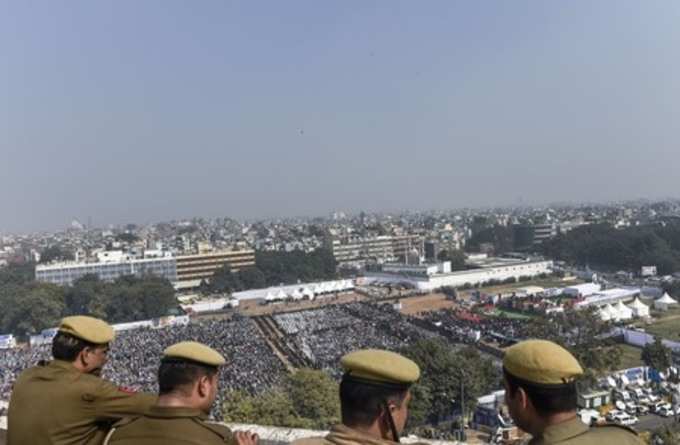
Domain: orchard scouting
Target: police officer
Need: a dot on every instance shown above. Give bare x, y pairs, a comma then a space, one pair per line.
540, 391
188, 384
65, 401
374, 398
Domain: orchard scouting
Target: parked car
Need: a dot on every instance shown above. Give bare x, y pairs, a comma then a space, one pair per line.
625, 419
658, 406
666, 411
631, 408
621, 394
611, 415
642, 410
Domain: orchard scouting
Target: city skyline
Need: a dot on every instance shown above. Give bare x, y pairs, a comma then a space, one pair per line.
160, 111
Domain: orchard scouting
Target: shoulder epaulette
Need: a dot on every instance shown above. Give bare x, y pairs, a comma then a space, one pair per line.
122, 422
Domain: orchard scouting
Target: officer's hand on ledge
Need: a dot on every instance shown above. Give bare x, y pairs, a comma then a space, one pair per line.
246, 438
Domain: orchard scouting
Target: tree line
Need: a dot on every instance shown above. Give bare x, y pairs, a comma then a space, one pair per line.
629, 248
273, 268
30, 306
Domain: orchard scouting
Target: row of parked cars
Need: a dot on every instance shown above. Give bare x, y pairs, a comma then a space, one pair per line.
638, 402
626, 414
634, 402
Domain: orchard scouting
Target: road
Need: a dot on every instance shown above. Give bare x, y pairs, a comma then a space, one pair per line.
653, 422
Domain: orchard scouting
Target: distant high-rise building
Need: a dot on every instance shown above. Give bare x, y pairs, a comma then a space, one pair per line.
193, 269
432, 249
108, 270
378, 248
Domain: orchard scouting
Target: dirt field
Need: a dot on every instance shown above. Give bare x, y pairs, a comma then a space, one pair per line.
252, 308
425, 303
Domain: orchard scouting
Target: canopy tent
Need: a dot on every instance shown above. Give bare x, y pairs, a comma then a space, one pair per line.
296, 294
664, 302
280, 295
307, 292
269, 297
625, 313
611, 312
606, 313
639, 308
333, 286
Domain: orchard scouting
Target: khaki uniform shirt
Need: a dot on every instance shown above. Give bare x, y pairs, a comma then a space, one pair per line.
166, 425
575, 432
343, 435
55, 404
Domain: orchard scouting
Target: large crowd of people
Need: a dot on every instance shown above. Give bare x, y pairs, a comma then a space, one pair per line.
135, 355
323, 335
465, 327
319, 336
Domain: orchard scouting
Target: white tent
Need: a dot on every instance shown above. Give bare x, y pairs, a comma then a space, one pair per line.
319, 289
664, 302
604, 314
639, 308
307, 292
625, 313
296, 294
612, 312
280, 295
269, 297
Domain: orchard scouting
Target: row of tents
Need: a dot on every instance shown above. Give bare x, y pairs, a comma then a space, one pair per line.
619, 311
308, 291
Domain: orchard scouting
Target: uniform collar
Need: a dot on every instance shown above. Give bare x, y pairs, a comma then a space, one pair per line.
563, 431
62, 364
169, 412
344, 435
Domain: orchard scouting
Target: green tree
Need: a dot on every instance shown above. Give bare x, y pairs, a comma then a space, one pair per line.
224, 281
457, 258
55, 253
295, 266
657, 355
30, 309
127, 237
442, 370
252, 278
314, 395
581, 332
17, 274
308, 399
86, 296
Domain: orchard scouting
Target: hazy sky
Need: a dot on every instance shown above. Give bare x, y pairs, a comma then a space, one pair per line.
139, 111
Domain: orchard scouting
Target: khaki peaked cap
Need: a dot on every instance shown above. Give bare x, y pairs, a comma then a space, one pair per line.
380, 366
86, 328
195, 352
542, 362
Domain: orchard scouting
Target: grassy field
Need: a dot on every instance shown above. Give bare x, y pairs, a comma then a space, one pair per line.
631, 356
666, 326
510, 314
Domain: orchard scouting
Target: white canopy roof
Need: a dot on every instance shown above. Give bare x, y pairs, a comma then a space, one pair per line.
624, 311
637, 304
666, 299
604, 314
296, 294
